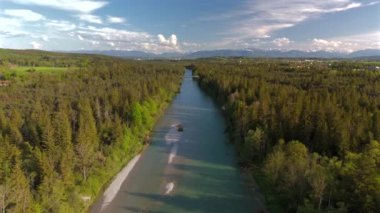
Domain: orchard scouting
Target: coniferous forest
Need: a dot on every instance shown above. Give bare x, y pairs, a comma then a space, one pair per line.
64, 135
183, 106
308, 131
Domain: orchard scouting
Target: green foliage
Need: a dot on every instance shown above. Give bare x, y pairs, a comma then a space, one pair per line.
254, 143
328, 111
137, 114
87, 138
361, 175
63, 137
21, 71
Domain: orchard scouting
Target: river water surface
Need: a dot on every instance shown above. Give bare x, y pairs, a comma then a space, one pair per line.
190, 171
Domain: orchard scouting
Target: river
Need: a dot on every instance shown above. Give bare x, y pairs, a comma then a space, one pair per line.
190, 171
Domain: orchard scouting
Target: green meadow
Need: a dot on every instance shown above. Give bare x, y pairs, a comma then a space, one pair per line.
21, 71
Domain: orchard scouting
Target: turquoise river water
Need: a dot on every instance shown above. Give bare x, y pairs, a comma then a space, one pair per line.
190, 171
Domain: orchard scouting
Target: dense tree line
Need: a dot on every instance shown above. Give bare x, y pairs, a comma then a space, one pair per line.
62, 137
312, 127
35, 58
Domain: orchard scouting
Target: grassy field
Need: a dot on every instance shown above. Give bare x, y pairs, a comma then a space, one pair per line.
24, 70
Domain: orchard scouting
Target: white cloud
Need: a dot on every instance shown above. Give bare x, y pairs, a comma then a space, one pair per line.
115, 20
330, 10
25, 15
83, 6
111, 34
322, 44
162, 38
154, 47
8, 22
172, 40
90, 18
347, 43
105, 38
94, 43
35, 45
68, 35
373, 3
259, 19
45, 38
194, 46
280, 42
60, 25
11, 28
190, 44
265, 30
369, 40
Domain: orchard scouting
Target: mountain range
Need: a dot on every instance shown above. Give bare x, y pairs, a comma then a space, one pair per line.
250, 53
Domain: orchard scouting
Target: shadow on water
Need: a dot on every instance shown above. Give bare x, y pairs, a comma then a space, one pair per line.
213, 194
204, 170
205, 203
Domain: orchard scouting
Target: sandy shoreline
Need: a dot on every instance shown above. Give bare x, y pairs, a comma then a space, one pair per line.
172, 138
112, 190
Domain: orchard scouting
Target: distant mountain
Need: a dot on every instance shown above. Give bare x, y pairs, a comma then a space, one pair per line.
365, 53
219, 53
258, 53
250, 53
135, 54
120, 53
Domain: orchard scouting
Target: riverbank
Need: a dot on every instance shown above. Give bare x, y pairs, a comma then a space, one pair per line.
172, 137
253, 177
289, 134
125, 157
190, 170
114, 187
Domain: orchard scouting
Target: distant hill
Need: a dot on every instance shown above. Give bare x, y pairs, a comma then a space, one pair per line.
220, 53
283, 54
119, 53
252, 53
369, 54
365, 53
133, 54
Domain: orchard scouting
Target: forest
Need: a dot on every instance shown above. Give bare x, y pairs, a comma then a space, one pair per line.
308, 131
64, 135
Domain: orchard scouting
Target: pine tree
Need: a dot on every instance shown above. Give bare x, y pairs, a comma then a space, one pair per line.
20, 188
63, 140
87, 139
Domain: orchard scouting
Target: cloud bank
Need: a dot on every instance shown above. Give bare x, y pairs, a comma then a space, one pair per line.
280, 42
25, 15
254, 24
172, 40
90, 18
82, 6
259, 19
115, 20
35, 45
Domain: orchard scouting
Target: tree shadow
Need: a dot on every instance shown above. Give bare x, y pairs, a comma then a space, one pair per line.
205, 171
203, 189
204, 203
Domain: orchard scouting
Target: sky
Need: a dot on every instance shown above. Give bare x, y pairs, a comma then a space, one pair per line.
190, 25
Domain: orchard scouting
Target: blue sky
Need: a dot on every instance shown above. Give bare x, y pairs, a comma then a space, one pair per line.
190, 25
